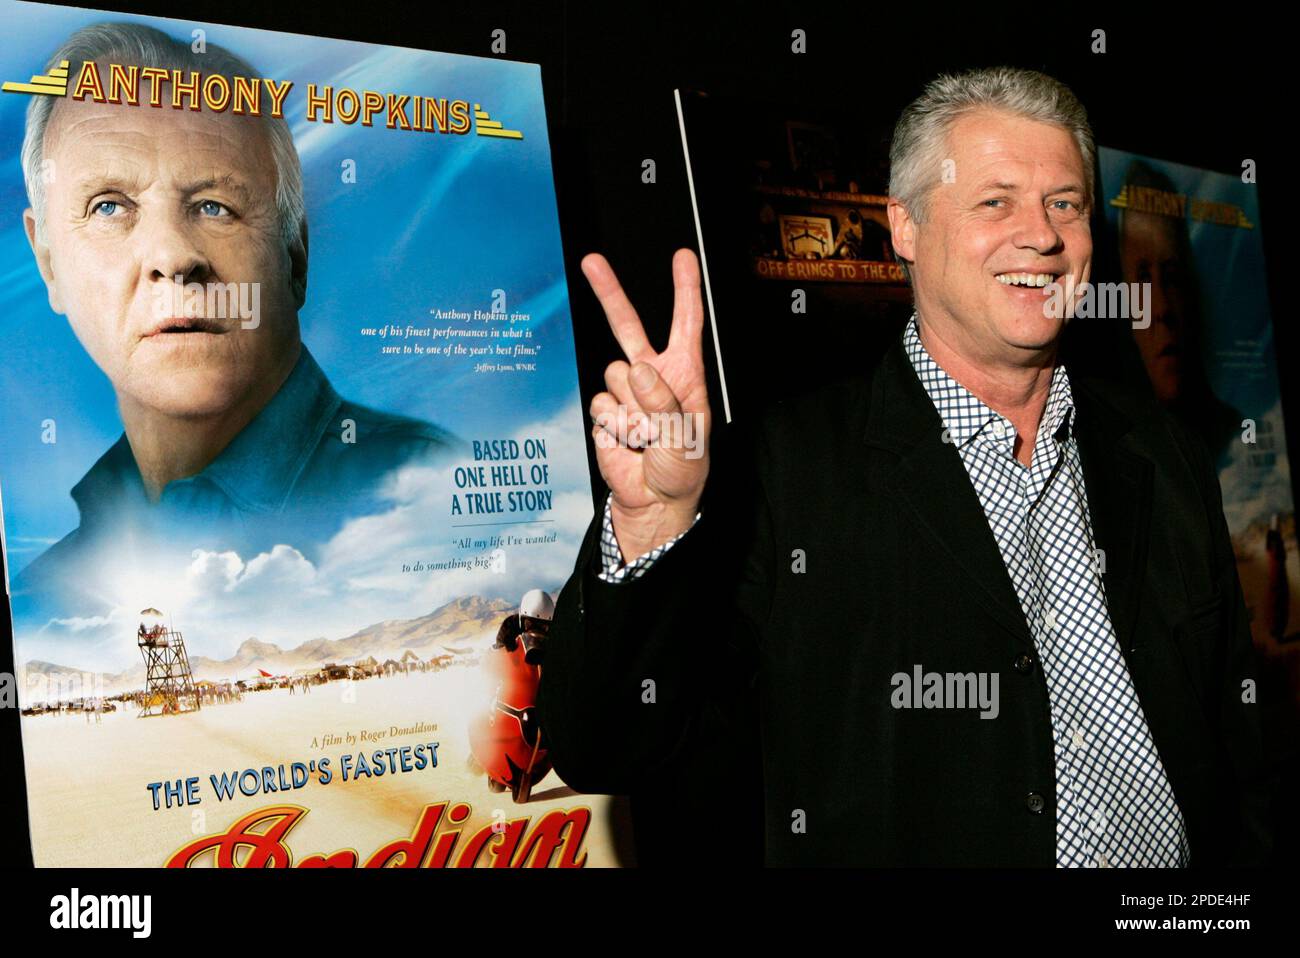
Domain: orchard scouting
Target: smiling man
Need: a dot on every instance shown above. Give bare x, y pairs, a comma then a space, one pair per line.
783, 639
149, 227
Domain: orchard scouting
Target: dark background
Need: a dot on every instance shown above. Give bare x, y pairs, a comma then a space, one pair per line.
1200, 91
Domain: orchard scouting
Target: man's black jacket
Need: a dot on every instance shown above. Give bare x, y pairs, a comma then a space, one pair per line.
740, 691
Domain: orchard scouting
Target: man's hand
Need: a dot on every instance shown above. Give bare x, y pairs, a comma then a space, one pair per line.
655, 478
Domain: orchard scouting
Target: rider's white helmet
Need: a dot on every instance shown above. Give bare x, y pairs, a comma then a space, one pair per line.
536, 604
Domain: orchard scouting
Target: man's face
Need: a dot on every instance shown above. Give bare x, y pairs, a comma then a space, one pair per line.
140, 195
1149, 254
1015, 205
538, 626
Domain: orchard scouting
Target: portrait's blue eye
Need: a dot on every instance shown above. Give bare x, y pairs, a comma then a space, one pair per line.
106, 207
212, 208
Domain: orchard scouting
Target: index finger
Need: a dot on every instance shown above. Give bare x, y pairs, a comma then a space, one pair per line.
623, 320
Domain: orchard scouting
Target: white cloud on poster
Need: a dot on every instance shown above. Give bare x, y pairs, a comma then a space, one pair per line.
76, 624
211, 572
283, 567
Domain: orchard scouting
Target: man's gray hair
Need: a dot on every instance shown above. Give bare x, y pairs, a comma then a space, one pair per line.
134, 43
920, 142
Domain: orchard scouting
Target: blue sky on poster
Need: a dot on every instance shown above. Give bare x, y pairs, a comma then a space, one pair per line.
433, 221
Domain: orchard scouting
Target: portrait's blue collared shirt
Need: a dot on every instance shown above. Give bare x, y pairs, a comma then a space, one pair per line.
303, 465
255, 473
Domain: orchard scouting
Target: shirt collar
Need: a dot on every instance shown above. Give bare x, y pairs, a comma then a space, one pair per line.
964, 415
257, 469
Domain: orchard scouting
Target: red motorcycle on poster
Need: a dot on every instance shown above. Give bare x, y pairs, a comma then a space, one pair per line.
506, 737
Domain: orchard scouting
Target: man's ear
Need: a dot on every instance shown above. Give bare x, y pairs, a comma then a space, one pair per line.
43, 262
902, 230
298, 267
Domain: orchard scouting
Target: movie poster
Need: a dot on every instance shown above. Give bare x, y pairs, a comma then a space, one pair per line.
293, 456
1206, 346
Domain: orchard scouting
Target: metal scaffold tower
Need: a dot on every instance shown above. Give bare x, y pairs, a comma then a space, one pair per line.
169, 684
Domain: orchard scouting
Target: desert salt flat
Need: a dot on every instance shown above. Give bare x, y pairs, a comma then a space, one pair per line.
90, 804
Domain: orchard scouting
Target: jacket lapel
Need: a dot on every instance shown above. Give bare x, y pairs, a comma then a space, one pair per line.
1119, 483
931, 479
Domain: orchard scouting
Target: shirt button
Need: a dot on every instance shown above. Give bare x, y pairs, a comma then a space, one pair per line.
1103, 861
1076, 738
1024, 664
1035, 802
999, 431
1049, 620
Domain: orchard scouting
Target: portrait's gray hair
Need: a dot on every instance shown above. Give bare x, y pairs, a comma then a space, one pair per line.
920, 142
133, 43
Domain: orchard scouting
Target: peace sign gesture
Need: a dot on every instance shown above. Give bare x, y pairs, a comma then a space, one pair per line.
651, 425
